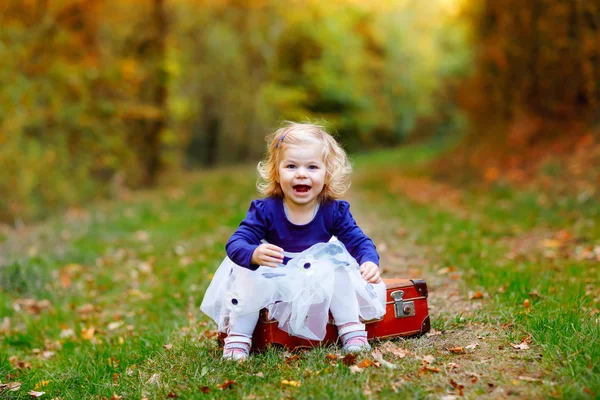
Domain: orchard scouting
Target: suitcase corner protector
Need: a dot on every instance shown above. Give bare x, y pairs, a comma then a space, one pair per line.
426, 325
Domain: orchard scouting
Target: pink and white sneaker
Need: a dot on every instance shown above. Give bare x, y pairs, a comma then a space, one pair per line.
237, 348
354, 338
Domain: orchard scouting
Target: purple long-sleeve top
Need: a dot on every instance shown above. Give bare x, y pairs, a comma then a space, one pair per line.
266, 220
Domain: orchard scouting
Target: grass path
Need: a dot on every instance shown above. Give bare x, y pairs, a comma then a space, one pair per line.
103, 302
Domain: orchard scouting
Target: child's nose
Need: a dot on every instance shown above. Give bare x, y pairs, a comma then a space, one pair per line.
301, 171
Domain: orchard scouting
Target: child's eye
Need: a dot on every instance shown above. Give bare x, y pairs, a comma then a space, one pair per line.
313, 167
290, 166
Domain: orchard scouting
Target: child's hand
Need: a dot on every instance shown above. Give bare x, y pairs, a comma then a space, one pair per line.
268, 255
370, 272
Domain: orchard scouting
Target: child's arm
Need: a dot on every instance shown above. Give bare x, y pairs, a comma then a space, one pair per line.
359, 245
244, 247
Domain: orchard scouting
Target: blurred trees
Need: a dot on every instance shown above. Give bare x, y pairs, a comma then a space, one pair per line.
103, 93
538, 64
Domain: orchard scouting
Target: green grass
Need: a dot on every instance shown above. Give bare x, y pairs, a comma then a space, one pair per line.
135, 271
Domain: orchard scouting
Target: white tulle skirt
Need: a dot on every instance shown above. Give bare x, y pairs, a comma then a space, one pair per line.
297, 295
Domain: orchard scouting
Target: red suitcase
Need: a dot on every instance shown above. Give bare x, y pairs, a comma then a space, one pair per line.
406, 315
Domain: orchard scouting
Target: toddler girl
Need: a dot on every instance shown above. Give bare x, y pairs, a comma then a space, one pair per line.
298, 252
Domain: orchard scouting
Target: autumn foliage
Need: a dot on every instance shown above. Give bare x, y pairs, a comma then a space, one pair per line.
535, 88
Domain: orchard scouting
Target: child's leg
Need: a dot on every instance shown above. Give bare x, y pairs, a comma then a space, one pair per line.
344, 305
344, 308
239, 336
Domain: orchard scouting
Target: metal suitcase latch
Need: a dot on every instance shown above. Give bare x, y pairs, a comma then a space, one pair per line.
402, 309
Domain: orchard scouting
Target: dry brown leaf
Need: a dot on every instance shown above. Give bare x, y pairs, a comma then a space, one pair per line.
433, 332
529, 379
228, 384
520, 346
457, 350
332, 356
289, 360
35, 394
476, 296
168, 346
526, 303
459, 388
205, 389
366, 363
391, 348
172, 395
116, 397
432, 369
356, 369
12, 386
19, 364
428, 359
349, 359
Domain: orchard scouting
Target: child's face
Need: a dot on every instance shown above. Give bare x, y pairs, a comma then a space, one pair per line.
302, 174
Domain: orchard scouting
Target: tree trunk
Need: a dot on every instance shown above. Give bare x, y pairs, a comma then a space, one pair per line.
158, 96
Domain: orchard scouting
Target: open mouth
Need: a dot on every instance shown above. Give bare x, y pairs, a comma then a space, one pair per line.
301, 189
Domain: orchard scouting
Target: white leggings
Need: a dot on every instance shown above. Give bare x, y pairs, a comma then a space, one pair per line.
344, 306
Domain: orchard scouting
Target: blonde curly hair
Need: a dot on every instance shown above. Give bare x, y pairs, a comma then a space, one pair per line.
337, 164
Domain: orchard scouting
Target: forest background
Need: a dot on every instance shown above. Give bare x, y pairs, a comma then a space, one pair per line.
99, 96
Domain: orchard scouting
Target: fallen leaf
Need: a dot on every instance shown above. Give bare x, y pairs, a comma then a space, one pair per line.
114, 325
472, 346
428, 359
33, 393
433, 332
259, 374
349, 359
88, 334
168, 346
228, 384
526, 303
391, 348
41, 384
457, 386
332, 356
456, 350
430, 368
172, 395
476, 296
529, 379
292, 359
12, 386
291, 383
356, 369
67, 333
520, 346
366, 363
379, 357
153, 379
205, 389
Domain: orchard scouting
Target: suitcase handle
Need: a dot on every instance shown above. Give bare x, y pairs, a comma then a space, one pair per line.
402, 309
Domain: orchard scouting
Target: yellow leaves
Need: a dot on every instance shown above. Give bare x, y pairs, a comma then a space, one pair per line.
41, 384
291, 383
88, 333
